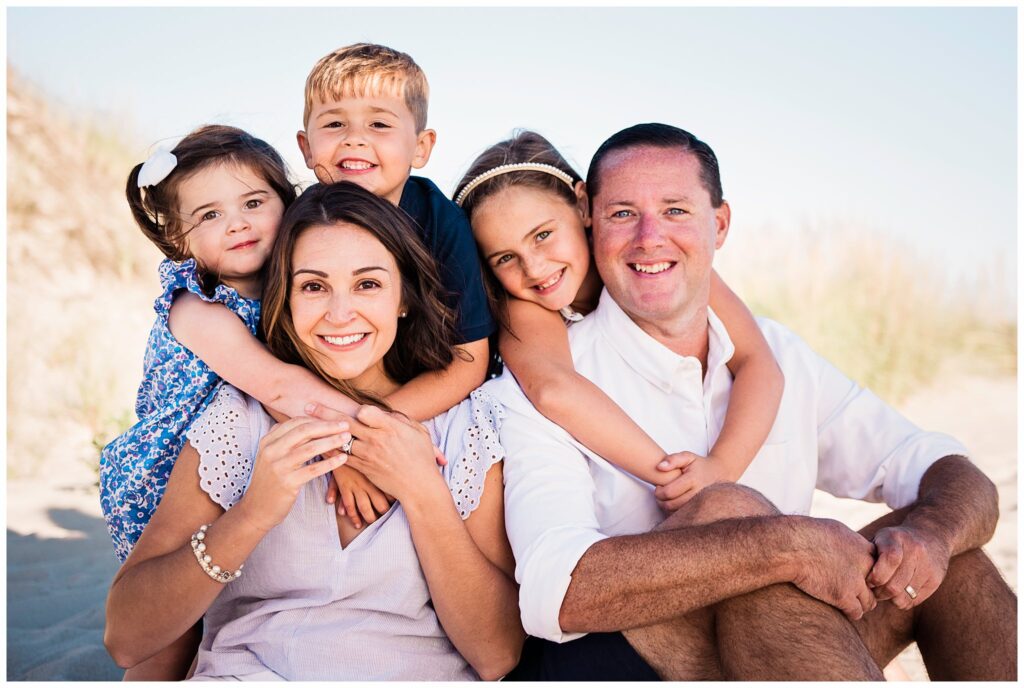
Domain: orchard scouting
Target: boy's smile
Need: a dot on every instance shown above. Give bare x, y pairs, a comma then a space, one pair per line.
369, 140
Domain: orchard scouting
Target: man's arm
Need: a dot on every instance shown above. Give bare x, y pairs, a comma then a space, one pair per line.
956, 511
638, 580
575, 579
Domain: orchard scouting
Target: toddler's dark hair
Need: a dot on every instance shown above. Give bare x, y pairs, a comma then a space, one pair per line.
155, 208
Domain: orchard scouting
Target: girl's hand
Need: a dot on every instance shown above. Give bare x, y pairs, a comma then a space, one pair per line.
697, 473
359, 496
393, 452
281, 467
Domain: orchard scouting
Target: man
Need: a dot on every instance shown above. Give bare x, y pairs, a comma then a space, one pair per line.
728, 587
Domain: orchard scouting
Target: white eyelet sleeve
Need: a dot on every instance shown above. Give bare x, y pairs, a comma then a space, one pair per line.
223, 437
478, 450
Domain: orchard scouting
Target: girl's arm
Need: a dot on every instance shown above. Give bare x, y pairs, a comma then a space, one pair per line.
539, 357
433, 393
218, 337
468, 564
757, 385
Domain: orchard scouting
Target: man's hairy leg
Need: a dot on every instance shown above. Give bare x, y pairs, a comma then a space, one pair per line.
967, 630
775, 633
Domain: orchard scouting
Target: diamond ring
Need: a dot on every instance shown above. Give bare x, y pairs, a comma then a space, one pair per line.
347, 447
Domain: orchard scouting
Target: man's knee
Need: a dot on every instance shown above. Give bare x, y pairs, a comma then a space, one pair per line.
718, 502
974, 569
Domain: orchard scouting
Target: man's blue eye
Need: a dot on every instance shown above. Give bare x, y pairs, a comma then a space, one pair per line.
621, 213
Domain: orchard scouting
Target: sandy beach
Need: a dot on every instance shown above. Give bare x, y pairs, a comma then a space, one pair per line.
60, 560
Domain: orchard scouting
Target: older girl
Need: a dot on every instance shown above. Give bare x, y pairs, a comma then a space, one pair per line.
426, 591
530, 217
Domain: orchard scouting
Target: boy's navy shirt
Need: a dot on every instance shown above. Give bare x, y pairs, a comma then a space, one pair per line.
445, 232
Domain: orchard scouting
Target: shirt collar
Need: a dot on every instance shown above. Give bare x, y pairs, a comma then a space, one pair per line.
651, 359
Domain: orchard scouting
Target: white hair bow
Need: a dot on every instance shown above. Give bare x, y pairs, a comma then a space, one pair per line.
156, 168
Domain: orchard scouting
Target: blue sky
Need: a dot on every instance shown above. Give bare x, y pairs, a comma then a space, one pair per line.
903, 120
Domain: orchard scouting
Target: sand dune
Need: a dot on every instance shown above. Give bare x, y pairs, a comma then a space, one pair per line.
60, 560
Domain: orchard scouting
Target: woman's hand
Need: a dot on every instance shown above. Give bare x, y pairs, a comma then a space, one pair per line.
281, 467
393, 452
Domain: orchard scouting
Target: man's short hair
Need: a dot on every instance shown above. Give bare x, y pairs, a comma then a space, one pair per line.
659, 136
367, 69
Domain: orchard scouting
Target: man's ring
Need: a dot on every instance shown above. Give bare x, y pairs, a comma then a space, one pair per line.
910, 591
347, 447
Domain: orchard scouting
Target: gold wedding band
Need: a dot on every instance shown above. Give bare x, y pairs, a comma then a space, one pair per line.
911, 591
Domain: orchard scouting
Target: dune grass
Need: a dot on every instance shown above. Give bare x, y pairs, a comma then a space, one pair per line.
877, 309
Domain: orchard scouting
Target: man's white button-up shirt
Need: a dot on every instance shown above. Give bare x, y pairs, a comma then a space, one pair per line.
561, 498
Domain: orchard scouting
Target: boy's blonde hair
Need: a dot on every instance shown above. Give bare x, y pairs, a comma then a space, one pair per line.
368, 69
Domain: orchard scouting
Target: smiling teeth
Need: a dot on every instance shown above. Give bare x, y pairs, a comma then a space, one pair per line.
554, 278
355, 165
342, 341
652, 269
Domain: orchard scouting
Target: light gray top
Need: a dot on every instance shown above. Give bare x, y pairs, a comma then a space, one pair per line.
306, 609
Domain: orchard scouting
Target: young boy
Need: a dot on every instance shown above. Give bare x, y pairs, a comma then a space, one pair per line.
365, 122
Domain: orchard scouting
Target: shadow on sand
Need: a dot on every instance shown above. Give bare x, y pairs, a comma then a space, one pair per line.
56, 590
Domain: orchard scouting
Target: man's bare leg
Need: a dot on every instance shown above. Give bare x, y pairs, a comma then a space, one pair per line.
967, 630
776, 633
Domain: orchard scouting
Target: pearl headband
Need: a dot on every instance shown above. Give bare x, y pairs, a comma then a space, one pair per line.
512, 167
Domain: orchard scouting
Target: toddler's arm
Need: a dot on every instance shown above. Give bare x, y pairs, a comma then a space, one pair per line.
217, 336
538, 355
432, 393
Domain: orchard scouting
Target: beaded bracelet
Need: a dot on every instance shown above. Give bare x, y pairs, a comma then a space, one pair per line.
214, 572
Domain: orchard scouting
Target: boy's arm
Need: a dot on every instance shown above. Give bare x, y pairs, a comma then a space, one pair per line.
429, 394
218, 337
757, 387
539, 357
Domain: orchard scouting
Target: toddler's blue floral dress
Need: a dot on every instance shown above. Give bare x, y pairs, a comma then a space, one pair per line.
176, 387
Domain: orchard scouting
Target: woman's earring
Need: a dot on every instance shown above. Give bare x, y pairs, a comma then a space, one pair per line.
403, 314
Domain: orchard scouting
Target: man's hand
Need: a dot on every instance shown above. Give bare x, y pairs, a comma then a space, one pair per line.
907, 557
833, 566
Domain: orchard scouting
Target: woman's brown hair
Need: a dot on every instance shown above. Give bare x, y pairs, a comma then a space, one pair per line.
155, 208
426, 337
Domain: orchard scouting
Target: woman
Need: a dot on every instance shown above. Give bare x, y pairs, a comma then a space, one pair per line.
426, 591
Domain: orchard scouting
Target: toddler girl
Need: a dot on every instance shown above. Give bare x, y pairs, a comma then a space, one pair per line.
529, 213
212, 206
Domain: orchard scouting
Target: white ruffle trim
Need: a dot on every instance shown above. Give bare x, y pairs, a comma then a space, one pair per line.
221, 436
480, 450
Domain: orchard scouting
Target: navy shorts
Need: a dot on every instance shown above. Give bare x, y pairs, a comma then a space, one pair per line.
594, 657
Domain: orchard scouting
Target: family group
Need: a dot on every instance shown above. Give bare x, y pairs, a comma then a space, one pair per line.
524, 433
